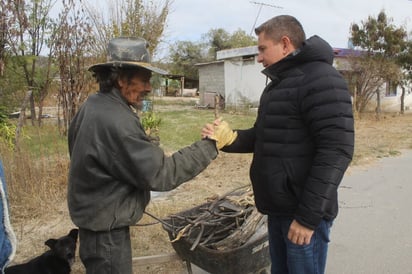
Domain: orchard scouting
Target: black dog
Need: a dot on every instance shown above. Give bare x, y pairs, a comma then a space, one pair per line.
57, 260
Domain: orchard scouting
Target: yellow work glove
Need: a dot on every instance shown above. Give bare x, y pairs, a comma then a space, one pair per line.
223, 135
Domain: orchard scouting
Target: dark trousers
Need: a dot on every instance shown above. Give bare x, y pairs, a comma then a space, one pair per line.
107, 252
289, 258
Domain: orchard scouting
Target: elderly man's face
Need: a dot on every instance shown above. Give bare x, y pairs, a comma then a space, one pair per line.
135, 89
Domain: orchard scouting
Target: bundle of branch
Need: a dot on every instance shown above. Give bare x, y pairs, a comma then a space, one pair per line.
224, 223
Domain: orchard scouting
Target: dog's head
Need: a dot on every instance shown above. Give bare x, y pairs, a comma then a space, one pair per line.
64, 247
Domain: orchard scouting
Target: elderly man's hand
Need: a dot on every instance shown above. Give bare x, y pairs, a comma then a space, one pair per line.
221, 132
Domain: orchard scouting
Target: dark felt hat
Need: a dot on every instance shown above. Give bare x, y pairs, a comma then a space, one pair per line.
128, 52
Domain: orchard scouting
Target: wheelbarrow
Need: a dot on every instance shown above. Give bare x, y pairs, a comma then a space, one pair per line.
203, 241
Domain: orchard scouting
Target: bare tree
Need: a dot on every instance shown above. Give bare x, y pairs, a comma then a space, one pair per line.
3, 29
146, 19
26, 36
72, 40
368, 76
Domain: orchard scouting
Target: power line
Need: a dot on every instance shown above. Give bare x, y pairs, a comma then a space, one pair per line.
261, 4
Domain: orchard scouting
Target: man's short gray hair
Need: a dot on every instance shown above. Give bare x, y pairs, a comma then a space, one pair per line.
283, 25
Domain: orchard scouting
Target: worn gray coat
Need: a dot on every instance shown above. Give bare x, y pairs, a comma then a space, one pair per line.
114, 166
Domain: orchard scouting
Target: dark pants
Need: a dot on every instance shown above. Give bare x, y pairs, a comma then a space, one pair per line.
296, 259
107, 252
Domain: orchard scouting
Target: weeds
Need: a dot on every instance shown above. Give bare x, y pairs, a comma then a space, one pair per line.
36, 174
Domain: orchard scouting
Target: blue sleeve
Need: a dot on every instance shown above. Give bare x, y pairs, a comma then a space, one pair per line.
7, 237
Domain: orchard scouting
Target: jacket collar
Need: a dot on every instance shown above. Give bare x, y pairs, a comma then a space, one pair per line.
313, 49
115, 95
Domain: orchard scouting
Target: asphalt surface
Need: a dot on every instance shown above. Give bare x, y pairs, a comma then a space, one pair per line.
372, 233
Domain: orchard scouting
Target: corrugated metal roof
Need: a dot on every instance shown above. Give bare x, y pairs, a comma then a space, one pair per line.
237, 52
208, 63
344, 52
240, 52
248, 51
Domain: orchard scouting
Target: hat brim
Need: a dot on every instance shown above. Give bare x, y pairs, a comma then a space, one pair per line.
129, 64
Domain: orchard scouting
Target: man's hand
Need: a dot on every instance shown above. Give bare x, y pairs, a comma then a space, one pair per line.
221, 132
299, 234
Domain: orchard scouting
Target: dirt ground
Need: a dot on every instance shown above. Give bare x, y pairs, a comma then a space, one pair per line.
227, 172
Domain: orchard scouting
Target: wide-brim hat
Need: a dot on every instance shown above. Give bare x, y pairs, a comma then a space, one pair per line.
128, 52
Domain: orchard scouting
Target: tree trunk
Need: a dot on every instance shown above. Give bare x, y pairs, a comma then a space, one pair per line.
354, 108
32, 108
402, 111
22, 116
378, 105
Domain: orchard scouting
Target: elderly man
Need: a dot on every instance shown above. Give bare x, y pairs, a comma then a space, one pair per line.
114, 166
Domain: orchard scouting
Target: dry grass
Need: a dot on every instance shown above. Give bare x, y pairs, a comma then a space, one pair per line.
37, 186
384, 138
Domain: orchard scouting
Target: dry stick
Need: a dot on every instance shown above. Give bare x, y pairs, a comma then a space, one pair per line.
216, 106
246, 230
202, 221
198, 238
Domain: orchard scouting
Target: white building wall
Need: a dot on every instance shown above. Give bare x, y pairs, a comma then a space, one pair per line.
211, 80
240, 81
392, 103
244, 82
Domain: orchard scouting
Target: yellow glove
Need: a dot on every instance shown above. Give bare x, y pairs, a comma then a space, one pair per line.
223, 135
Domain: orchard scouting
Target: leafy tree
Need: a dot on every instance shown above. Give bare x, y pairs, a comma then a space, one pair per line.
240, 39
405, 61
382, 43
184, 55
220, 39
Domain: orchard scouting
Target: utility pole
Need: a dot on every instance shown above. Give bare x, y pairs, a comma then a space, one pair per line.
261, 4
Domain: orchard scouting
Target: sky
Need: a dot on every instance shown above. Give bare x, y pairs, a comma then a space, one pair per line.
189, 20
331, 19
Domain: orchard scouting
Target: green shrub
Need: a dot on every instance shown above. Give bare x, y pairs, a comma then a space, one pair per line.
150, 122
7, 130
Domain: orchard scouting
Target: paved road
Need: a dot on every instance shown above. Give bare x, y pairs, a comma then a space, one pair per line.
373, 232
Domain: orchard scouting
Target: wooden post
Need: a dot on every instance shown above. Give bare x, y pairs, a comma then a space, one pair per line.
182, 85
217, 105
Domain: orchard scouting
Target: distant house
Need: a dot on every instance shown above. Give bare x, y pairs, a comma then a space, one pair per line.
178, 85
236, 78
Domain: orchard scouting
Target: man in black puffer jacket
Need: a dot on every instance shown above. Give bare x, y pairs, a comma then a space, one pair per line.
302, 144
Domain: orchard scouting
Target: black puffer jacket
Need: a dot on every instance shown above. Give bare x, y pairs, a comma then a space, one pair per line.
303, 138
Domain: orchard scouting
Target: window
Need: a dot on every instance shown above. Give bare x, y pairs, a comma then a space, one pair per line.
391, 88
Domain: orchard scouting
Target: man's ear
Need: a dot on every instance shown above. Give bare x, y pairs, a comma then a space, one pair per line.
287, 45
121, 82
